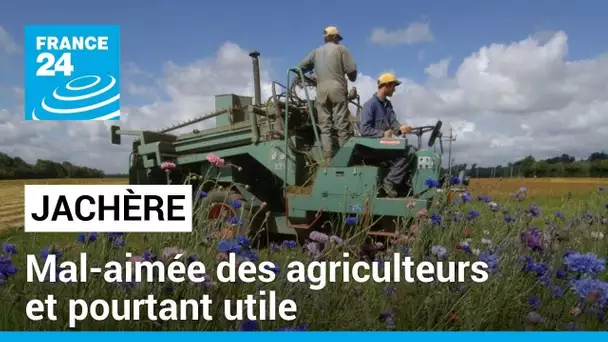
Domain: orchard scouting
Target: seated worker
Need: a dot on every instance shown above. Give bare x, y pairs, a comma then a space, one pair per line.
378, 120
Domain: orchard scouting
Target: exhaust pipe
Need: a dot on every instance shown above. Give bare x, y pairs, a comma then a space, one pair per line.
255, 129
256, 77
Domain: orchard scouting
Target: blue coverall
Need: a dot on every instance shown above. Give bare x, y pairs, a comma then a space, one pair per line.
377, 117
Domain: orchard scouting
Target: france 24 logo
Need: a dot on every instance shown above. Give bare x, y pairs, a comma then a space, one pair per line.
72, 72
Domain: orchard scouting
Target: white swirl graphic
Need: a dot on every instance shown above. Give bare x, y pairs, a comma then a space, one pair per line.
90, 106
94, 83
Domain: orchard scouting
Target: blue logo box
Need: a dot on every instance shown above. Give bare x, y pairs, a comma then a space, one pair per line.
72, 72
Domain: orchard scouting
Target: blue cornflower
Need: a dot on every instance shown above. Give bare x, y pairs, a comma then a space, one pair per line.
472, 214
51, 250
465, 248
589, 287
432, 183
118, 242
436, 219
388, 317
9, 249
236, 204
290, 244
540, 268
533, 238
149, 256
191, 258
534, 302
235, 221
249, 255
556, 291
490, 259
243, 241
533, 210
484, 198
169, 289
274, 268
455, 180
86, 238
466, 197
380, 262
228, 246
7, 267
249, 325
351, 220
509, 219
559, 215
114, 236
440, 251
202, 194
587, 263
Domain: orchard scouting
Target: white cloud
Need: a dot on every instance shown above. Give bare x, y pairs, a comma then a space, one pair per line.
523, 98
418, 32
503, 102
7, 44
439, 69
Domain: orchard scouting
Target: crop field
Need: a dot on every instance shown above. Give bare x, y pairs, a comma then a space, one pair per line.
11, 196
552, 190
544, 241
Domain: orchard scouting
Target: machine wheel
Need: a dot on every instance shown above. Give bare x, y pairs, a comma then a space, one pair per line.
217, 208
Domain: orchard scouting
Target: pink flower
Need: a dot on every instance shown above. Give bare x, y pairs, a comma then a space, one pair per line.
167, 165
215, 160
423, 212
136, 259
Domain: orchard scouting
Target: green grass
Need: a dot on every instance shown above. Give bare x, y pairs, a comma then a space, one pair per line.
501, 303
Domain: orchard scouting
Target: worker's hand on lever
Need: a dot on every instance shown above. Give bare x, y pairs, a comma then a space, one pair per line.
405, 129
388, 134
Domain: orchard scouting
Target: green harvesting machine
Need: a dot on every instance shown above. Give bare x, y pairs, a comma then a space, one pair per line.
270, 151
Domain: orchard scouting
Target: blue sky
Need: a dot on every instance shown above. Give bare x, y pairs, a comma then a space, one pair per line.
154, 31
522, 96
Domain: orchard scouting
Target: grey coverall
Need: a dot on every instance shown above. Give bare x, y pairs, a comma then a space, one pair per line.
378, 116
331, 62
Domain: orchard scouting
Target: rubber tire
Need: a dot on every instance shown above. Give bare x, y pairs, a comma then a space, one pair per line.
214, 197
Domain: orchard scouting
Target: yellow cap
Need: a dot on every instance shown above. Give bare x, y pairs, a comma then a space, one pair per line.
332, 31
388, 77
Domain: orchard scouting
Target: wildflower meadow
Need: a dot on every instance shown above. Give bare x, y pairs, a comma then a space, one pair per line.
546, 258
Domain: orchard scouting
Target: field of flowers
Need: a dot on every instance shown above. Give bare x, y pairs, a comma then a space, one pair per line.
544, 242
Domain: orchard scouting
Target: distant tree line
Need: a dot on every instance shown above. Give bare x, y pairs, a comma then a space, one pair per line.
596, 165
17, 168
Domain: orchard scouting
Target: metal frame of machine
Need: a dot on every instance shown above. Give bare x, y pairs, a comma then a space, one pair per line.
270, 151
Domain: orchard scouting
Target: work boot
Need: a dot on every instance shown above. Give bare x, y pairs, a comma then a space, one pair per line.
389, 188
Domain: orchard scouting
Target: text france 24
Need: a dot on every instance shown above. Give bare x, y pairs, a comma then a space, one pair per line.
72, 72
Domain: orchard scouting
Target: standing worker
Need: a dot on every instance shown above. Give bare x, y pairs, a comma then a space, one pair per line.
378, 120
331, 62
